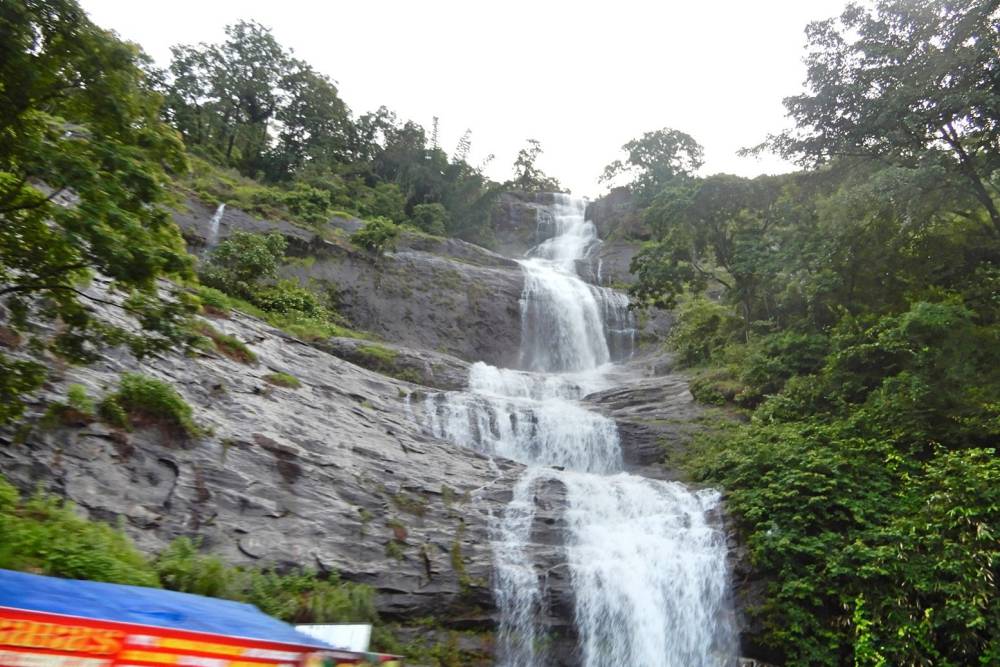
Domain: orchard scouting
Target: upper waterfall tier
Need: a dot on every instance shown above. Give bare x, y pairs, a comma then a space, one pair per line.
566, 323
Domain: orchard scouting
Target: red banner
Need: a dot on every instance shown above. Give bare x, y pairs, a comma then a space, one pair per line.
32, 639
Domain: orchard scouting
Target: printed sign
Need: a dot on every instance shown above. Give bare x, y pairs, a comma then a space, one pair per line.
32, 639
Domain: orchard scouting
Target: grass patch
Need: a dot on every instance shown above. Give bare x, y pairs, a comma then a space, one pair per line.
283, 380
296, 324
142, 400
380, 356
394, 550
409, 503
44, 534
230, 346
77, 410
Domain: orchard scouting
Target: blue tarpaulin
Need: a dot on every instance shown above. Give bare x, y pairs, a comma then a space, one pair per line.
145, 606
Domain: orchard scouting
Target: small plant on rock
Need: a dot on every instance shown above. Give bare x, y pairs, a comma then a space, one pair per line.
283, 380
141, 399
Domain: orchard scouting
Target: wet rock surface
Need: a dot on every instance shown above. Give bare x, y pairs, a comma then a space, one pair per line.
656, 417
325, 475
444, 295
430, 369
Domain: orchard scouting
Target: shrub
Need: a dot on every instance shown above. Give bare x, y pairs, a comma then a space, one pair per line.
145, 399
376, 236
703, 329
307, 203
213, 302
294, 596
242, 260
431, 218
77, 398
283, 380
45, 535
79, 409
181, 567
287, 297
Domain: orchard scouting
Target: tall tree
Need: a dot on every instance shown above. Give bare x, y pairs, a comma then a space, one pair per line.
654, 159
911, 83
83, 155
527, 176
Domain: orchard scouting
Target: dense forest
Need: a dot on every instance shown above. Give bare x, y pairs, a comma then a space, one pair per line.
844, 319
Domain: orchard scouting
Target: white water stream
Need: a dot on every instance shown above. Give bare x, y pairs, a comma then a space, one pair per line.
647, 566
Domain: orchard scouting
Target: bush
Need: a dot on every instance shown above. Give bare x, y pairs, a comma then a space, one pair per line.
213, 302
376, 236
771, 360
431, 218
242, 260
148, 400
288, 297
45, 535
307, 203
703, 329
297, 596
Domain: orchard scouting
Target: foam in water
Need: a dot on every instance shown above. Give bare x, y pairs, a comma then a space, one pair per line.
647, 566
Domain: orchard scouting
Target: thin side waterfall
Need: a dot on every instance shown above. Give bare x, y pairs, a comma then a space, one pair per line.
647, 564
213, 227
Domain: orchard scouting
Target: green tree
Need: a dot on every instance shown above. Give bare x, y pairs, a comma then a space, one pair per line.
83, 160
527, 176
239, 263
713, 229
912, 84
432, 218
656, 158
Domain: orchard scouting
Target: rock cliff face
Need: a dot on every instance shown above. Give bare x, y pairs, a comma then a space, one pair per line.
337, 474
327, 475
442, 295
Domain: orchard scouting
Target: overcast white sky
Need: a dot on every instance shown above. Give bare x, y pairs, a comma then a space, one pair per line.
581, 77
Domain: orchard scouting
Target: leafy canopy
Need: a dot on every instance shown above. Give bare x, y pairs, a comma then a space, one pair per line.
84, 158
912, 84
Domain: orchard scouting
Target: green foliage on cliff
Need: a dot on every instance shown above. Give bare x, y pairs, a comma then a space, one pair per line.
297, 151
141, 399
45, 535
851, 313
297, 596
84, 160
376, 236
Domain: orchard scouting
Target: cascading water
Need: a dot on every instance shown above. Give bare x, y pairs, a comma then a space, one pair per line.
647, 566
213, 227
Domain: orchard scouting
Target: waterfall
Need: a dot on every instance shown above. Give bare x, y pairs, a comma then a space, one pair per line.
213, 227
647, 565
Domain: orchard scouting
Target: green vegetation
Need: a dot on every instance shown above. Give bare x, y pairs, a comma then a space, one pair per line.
227, 99
78, 408
43, 534
376, 236
80, 123
234, 278
295, 596
293, 322
850, 312
230, 346
283, 380
142, 400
